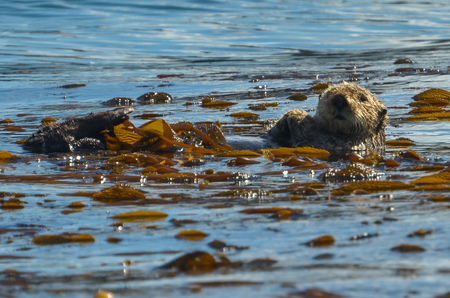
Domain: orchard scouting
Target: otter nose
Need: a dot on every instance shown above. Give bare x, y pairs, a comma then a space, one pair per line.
339, 102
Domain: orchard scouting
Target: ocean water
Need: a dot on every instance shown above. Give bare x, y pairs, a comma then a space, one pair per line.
107, 41
259, 51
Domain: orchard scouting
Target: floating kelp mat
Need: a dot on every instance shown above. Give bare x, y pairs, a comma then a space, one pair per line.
230, 215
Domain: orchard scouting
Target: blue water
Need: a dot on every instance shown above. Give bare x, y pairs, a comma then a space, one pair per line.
52, 41
119, 48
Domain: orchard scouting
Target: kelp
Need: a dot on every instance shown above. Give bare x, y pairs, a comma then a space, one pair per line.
48, 120
138, 159
13, 128
445, 115
217, 177
408, 248
325, 240
262, 106
432, 94
186, 179
301, 151
141, 215
6, 121
209, 133
113, 240
373, 186
63, 238
195, 261
288, 214
162, 169
70, 86
355, 171
432, 187
158, 135
426, 110
241, 161
191, 235
401, 142
391, 163
125, 134
12, 205
430, 102
296, 162
410, 154
356, 158
439, 178
240, 153
426, 168
244, 115
428, 105
403, 61
315, 293
50, 179
103, 294
183, 222
118, 193
76, 205
212, 103
223, 246
78, 194
421, 233
6, 156
298, 97
320, 87
440, 199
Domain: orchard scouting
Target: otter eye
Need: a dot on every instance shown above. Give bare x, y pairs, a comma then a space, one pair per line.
363, 98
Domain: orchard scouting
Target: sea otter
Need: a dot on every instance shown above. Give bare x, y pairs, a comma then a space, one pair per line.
349, 117
76, 133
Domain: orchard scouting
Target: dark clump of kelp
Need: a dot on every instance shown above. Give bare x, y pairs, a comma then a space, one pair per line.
155, 173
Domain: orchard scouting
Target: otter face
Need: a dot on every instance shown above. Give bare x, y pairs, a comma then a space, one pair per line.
350, 109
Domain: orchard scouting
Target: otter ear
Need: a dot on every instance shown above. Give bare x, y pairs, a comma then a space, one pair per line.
382, 120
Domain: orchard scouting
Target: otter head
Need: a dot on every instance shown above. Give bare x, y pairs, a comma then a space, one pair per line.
349, 109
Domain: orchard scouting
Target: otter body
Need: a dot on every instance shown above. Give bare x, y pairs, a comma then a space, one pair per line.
349, 117
76, 133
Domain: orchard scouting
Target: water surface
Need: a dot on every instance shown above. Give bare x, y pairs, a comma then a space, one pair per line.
192, 49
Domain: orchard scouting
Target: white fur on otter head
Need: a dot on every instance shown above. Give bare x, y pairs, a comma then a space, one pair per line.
349, 109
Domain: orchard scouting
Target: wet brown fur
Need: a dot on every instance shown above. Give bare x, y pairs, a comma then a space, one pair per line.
348, 117
74, 133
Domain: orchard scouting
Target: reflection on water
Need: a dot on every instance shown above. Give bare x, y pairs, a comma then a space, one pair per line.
249, 52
